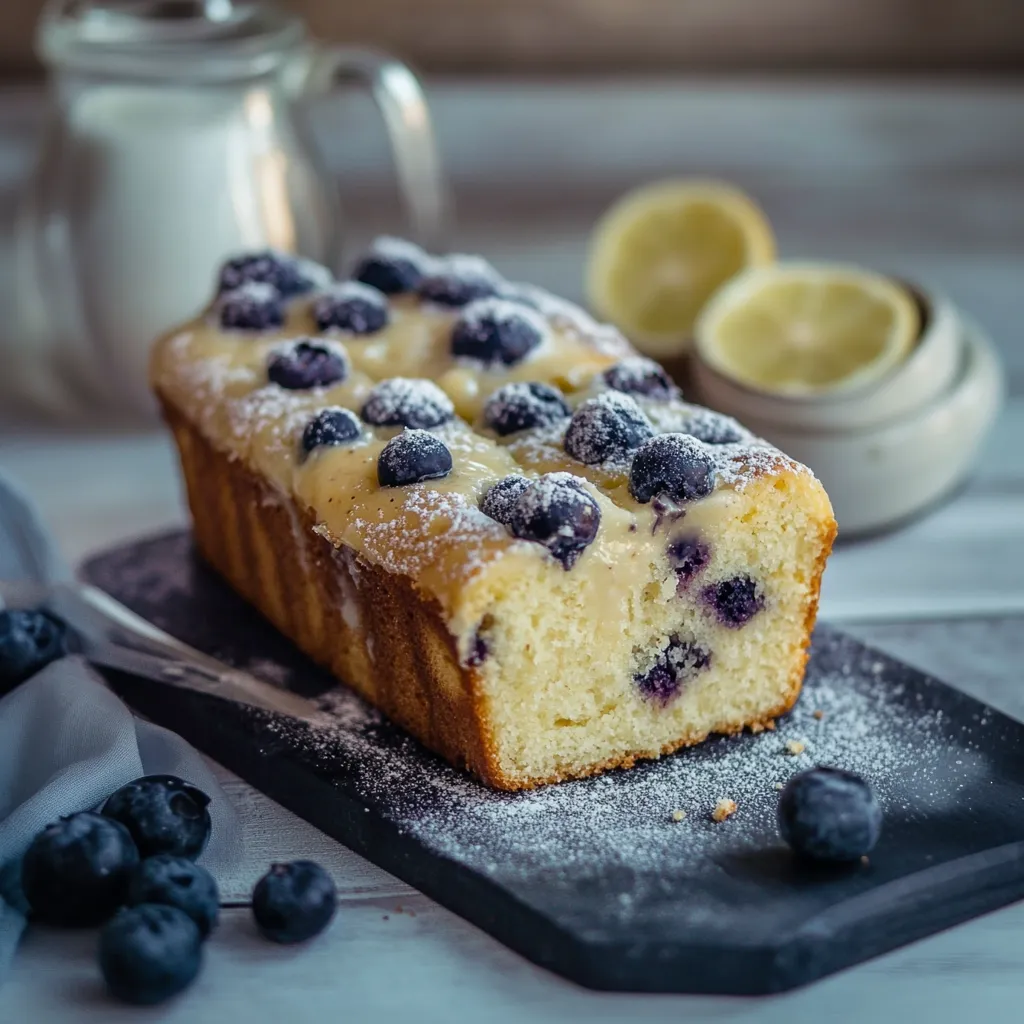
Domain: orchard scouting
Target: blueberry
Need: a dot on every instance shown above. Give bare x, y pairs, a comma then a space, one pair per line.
149, 953
500, 500
605, 428
524, 406
636, 375
411, 457
496, 331
688, 556
676, 665
558, 512
331, 426
288, 275
164, 814
829, 814
29, 641
671, 464
353, 307
458, 280
76, 870
480, 651
300, 365
406, 402
176, 882
392, 266
735, 601
712, 427
293, 902
251, 307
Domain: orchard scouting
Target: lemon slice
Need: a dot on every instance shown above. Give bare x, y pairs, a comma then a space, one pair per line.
658, 254
803, 329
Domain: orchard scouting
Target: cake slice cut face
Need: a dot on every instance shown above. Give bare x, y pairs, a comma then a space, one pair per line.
490, 517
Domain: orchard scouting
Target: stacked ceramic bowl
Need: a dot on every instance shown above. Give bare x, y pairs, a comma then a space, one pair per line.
888, 448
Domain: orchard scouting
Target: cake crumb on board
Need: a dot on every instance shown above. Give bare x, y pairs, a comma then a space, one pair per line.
725, 808
795, 747
678, 815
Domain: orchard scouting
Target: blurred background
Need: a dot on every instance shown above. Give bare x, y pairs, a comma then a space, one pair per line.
559, 37
887, 133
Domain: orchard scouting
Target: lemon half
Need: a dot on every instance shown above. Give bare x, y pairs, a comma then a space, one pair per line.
658, 254
803, 329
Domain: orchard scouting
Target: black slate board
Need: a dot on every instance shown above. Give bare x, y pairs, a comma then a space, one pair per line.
594, 879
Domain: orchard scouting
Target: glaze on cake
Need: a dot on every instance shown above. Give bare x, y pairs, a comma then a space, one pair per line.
430, 479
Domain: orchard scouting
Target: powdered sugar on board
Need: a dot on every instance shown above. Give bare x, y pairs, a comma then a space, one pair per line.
849, 716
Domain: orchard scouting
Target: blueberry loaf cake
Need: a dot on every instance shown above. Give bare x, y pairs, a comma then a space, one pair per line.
488, 515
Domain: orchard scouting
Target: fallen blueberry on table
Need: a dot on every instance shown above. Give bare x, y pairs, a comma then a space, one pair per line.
293, 902
76, 871
828, 814
149, 953
177, 882
29, 641
164, 814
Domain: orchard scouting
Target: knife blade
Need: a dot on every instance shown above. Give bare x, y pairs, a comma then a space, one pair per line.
109, 635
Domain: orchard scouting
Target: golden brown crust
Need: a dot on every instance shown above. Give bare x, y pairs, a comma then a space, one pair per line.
340, 610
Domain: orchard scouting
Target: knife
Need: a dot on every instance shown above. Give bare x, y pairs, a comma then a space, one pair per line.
109, 635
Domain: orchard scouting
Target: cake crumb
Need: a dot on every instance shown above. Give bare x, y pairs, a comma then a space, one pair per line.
779, 786
725, 808
819, 714
678, 815
795, 747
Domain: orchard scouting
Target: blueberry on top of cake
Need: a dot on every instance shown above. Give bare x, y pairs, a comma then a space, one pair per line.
353, 307
712, 427
392, 265
672, 464
289, 275
458, 279
330, 427
412, 457
497, 331
307, 363
637, 375
606, 428
524, 405
401, 402
252, 306
500, 499
556, 511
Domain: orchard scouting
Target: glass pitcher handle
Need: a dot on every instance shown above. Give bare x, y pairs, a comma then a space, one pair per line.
400, 100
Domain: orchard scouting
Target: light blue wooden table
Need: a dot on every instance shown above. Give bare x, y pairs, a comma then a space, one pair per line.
923, 179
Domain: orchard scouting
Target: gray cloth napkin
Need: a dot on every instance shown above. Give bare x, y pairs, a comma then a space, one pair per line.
67, 742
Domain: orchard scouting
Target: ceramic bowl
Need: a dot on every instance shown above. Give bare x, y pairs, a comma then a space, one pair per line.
927, 373
878, 476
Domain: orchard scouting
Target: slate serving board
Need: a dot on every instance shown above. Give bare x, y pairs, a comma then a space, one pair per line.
598, 880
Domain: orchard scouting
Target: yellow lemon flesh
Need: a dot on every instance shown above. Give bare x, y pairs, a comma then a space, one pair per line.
804, 329
658, 254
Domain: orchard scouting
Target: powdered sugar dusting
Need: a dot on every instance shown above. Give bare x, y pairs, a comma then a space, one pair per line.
848, 717
437, 520
402, 401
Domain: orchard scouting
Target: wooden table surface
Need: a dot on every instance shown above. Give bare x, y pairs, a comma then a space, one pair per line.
924, 179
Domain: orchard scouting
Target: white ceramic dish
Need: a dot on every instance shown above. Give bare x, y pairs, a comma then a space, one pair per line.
927, 373
878, 476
